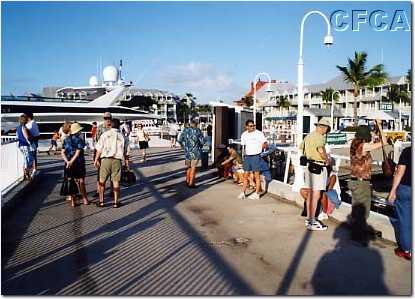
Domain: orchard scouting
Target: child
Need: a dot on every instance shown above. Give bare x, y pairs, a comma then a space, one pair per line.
53, 142
233, 165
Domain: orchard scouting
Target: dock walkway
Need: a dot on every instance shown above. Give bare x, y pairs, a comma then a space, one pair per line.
167, 239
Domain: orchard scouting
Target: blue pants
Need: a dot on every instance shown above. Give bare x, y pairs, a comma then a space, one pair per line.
403, 222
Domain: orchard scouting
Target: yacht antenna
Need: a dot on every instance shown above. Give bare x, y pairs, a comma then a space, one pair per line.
100, 71
381, 55
120, 69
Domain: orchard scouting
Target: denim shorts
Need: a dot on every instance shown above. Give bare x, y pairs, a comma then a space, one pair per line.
252, 163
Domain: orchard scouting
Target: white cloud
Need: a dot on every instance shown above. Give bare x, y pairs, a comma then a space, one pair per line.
205, 81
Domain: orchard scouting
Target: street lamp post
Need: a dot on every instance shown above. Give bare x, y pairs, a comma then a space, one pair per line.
328, 40
268, 90
332, 108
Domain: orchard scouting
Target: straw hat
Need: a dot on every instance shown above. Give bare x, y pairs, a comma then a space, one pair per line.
75, 128
323, 122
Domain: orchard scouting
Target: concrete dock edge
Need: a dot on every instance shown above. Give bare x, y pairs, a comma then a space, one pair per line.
378, 221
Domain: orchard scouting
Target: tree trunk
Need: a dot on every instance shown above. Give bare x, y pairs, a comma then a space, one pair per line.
355, 94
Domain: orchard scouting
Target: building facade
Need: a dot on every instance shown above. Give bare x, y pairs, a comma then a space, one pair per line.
278, 102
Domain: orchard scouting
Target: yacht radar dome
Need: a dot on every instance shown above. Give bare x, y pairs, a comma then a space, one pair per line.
93, 81
110, 74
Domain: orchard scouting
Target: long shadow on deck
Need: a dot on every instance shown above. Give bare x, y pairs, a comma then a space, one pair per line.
143, 248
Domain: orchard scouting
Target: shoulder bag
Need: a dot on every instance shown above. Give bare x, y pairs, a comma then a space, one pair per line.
388, 166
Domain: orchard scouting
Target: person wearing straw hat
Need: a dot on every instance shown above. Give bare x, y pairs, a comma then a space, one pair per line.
112, 148
74, 157
315, 174
101, 129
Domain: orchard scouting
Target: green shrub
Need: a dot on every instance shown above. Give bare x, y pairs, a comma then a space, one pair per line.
350, 129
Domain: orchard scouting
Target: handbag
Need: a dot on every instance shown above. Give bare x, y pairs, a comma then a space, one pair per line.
69, 185
127, 177
388, 166
315, 168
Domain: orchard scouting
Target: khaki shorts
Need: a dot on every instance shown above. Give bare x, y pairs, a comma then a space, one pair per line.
191, 163
110, 167
315, 182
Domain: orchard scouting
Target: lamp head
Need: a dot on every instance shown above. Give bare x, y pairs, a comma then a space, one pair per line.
328, 40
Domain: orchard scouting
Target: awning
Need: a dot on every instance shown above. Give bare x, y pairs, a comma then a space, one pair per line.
382, 115
291, 117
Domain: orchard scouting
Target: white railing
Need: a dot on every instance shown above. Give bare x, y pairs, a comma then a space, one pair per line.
11, 168
8, 139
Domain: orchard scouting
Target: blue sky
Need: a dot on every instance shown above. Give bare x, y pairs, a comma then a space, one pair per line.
212, 49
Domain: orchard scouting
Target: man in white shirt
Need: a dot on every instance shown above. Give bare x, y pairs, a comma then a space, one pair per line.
253, 142
34, 132
112, 147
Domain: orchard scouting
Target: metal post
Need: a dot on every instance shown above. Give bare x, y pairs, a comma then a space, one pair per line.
300, 85
332, 109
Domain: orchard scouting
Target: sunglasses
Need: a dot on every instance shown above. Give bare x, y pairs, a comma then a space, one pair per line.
107, 118
251, 126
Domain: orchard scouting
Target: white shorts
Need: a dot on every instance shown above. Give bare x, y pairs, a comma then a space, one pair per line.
315, 182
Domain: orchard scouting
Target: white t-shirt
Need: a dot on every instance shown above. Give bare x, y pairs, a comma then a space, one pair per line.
253, 142
33, 128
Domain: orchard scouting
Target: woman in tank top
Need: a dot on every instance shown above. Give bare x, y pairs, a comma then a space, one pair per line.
143, 139
361, 172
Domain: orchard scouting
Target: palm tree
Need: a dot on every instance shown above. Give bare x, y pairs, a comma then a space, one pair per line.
327, 96
359, 77
397, 95
247, 101
408, 78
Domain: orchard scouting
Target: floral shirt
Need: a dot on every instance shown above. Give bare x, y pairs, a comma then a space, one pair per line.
192, 142
71, 144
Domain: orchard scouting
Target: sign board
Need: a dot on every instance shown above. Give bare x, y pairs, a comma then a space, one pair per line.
386, 106
336, 138
394, 136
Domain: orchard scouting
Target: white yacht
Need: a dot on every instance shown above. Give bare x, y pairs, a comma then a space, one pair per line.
97, 100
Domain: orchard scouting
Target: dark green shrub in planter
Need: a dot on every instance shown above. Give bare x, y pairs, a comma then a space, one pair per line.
350, 129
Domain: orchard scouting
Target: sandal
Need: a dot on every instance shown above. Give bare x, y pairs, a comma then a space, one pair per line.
100, 204
117, 205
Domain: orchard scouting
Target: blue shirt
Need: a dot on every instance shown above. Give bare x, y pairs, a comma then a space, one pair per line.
71, 144
20, 137
192, 142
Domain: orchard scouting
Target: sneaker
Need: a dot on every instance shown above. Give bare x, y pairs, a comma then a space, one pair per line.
316, 226
405, 254
322, 216
306, 222
254, 196
241, 196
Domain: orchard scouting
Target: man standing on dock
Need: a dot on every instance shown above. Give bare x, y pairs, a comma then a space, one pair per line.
192, 142
253, 142
35, 133
101, 129
315, 174
112, 148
